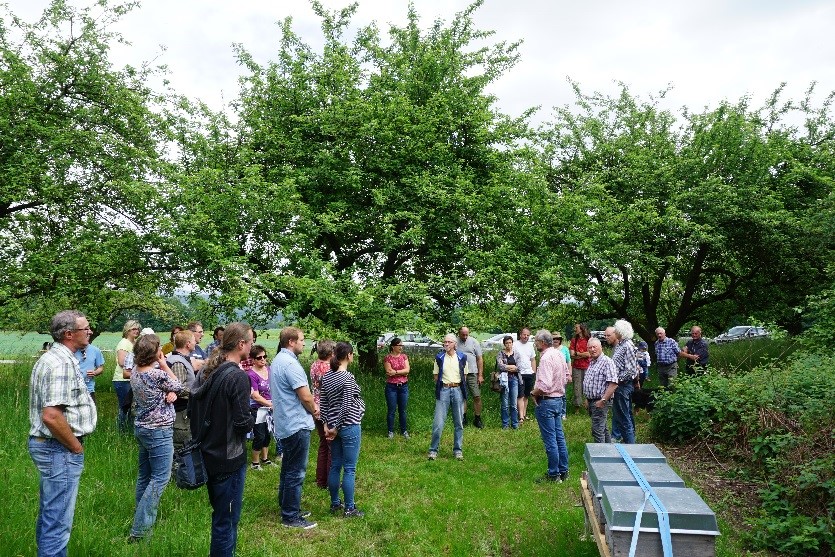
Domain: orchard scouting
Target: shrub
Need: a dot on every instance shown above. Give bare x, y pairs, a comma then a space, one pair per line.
689, 410
777, 422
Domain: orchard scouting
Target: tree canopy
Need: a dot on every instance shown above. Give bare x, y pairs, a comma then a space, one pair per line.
372, 184
668, 220
80, 164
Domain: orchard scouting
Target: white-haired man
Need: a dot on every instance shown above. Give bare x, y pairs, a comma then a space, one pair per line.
626, 366
449, 371
599, 386
667, 353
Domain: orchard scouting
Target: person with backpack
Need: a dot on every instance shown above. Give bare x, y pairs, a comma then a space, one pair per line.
180, 363
223, 446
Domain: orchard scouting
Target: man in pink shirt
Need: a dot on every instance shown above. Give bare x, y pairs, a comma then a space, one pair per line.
552, 374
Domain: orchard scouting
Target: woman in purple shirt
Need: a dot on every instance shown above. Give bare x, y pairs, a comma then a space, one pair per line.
259, 379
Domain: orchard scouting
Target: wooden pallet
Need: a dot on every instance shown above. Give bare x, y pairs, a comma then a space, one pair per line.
592, 522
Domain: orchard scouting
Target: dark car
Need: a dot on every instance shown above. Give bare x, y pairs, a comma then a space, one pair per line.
741, 332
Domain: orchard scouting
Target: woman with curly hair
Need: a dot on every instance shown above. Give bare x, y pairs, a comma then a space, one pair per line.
155, 389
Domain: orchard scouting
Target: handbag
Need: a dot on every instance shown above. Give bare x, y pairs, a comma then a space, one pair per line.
495, 383
188, 469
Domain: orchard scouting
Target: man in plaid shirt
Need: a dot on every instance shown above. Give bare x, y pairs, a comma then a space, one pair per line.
626, 366
599, 386
667, 353
61, 414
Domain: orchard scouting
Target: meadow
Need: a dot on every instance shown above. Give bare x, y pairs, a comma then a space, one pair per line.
486, 505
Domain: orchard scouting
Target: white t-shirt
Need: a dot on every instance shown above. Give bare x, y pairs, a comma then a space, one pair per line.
528, 352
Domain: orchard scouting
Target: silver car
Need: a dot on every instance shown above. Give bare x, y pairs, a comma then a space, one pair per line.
741, 332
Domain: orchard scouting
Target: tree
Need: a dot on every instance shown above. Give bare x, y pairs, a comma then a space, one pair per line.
79, 164
672, 219
360, 186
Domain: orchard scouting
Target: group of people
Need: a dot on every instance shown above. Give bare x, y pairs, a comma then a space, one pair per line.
171, 399
171, 396
600, 383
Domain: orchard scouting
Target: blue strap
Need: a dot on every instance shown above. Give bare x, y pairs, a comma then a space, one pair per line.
637, 527
660, 510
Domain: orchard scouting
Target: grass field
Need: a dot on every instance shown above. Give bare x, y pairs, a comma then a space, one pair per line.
486, 505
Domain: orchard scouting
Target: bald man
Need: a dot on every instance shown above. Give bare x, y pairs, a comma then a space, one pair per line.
695, 351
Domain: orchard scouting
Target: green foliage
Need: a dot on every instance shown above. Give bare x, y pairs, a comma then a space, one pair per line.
689, 410
667, 220
776, 422
79, 163
337, 195
779, 526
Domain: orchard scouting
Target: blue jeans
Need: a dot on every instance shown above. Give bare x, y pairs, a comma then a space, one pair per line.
450, 398
396, 398
549, 416
622, 423
122, 389
510, 415
226, 495
60, 471
293, 469
156, 452
345, 452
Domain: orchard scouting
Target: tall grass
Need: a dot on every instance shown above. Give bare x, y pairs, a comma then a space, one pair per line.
485, 505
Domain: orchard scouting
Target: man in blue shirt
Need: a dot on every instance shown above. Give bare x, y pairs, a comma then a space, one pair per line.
667, 353
294, 411
198, 355
91, 363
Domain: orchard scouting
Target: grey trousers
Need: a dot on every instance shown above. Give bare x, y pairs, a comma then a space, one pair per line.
665, 372
182, 429
600, 422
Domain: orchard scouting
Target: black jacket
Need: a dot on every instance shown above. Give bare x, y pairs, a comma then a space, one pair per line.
224, 444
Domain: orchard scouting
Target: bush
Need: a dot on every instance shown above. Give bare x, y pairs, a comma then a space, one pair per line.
689, 410
777, 422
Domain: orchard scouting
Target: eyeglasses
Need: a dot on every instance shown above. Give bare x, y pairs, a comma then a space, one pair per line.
261, 357
87, 329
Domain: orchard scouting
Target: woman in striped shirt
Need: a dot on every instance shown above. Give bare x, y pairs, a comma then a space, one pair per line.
342, 408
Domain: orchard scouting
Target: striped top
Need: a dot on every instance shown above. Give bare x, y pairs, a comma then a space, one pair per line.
341, 403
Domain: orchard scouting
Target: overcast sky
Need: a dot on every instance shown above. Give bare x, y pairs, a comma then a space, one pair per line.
708, 50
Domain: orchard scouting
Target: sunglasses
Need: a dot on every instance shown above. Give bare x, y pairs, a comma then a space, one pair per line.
261, 357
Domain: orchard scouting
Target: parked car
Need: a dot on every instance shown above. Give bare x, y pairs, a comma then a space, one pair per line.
412, 341
599, 335
741, 332
495, 341
384, 339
